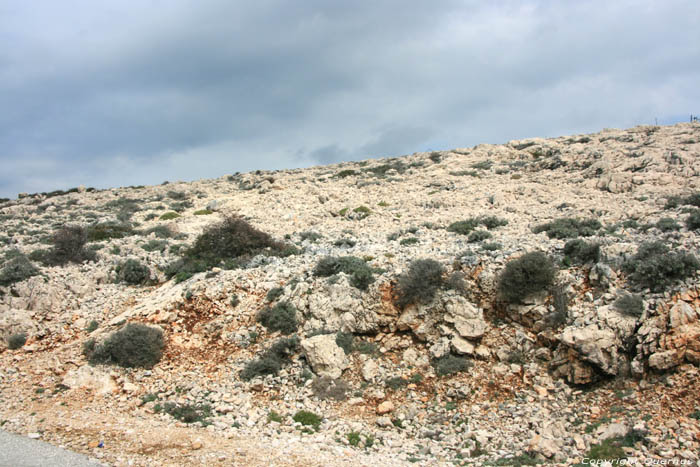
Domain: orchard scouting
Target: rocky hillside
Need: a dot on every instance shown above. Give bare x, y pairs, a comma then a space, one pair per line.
535, 302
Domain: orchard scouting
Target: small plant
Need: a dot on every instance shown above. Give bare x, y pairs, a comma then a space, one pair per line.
409, 241
667, 224
92, 326
360, 273
395, 382
235, 301
656, 267
353, 438
133, 346
482, 165
362, 211
282, 317
308, 419
478, 236
69, 246
133, 272
693, 220
17, 269
186, 413
274, 294
107, 230
610, 449
310, 236
630, 305
420, 283
273, 416
526, 275
203, 212
155, 245
569, 228
492, 246
16, 341
463, 227
345, 341
435, 157
581, 252
272, 360
450, 364
168, 216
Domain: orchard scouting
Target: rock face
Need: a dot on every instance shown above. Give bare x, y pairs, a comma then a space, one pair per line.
91, 378
324, 355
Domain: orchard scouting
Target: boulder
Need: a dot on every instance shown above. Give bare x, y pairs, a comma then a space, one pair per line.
324, 355
467, 319
91, 378
597, 346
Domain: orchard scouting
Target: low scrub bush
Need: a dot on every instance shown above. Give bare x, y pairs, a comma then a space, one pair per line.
450, 364
69, 246
168, 216
186, 413
667, 224
345, 340
106, 231
272, 360
155, 245
133, 346
466, 226
16, 341
630, 305
133, 272
581, 252
693, 220
528, 274
478, 236
203, 212
282, 317
569, 228
17, 269
308, 419
361, 275
656, 267
274, 294
420, 283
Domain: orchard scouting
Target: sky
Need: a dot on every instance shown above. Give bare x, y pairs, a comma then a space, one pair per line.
120, 92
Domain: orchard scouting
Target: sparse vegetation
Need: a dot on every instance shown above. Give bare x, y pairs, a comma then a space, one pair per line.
478, 236
528, 274
16, 341
274, 294
667, 224
420, 283
272, 360
468, 225
656, 267
133, 272
308, 419
630, 305
133, 346
581, 252
203, 212
361, 275
693, 220
16, 269
569, 228
106, 231
186, 413
450, 364
326, 388
69, 246
282, 317
345, 341
168, 216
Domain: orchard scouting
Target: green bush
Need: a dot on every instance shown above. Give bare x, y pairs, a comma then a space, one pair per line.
228, 243
478, 236
15, 341
272, 360
17, 269
528, 274
203, 212
155, 245
133, 346
106, 231
581, 252
656, 267
345, 341
468, 225
409, 241
69, 246
133, 272
186, 413
420, 283
160, 231
308, 419
569, 228
282, 317
693, 220
168, 216
92, 326
450, 364
274, 293
630, 305
361, 275
610, 449
667, 224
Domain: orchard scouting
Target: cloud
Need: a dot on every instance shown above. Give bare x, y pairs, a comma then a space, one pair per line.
186, 89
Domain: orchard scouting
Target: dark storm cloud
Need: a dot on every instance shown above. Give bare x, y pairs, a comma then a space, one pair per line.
118, 93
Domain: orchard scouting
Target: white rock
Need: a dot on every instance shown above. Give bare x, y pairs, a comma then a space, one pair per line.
324, 355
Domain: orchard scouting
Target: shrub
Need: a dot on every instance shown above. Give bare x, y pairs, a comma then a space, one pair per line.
133, 272
203, 212
528, 274
395, 382
274, 293
463, 227
345, 341
609, 449
667, 224
168, 216
155, 245
226, 243
655, 267
160, 231
435, 157
492, 222
308, 419
310, 236
69, 246
478, 236
580, 251
569, 228
492, 246
92, 326
17, 269
15, 341
420, 282
450, 364
360, 273
133, 346
353, 438
272, 360
693, 220
630, 305
107, 230
282, 317
482, 165
346, 173
186, 413
409, 241
176, 195
328, 388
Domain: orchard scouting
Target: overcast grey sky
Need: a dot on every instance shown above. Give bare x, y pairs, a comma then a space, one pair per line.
114, 93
